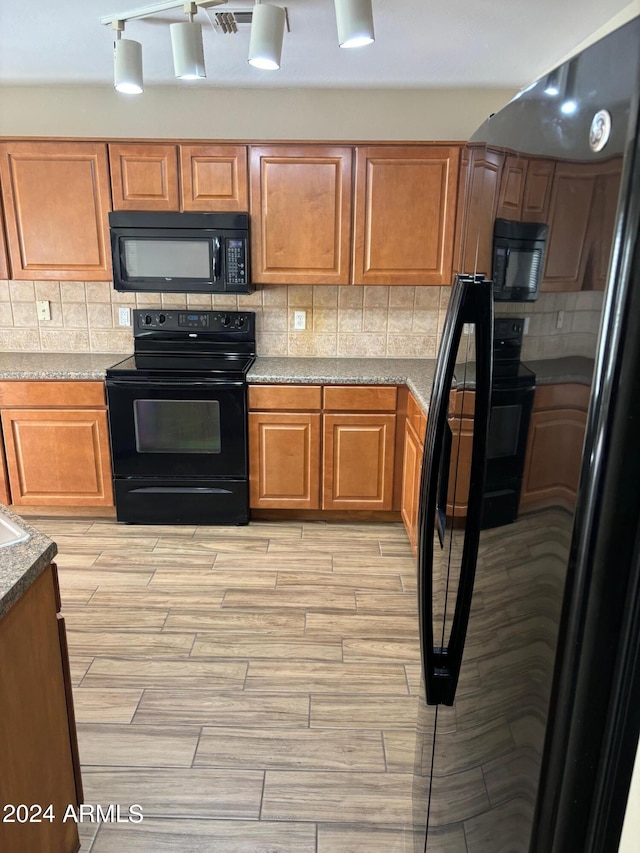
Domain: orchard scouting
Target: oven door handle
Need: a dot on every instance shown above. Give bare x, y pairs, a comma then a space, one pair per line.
137, 384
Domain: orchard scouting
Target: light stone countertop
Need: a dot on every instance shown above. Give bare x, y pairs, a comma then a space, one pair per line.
22, 563
57, 365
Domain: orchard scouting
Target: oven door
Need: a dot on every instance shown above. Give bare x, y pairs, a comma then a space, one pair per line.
186, 428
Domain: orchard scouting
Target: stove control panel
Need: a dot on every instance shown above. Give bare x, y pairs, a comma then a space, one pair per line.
187, 321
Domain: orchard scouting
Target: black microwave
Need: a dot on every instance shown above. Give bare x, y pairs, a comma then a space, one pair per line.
180, 252
518, 260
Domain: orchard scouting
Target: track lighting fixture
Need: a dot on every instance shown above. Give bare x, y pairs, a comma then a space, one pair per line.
186, 43
355, 22
267, 32
127, 63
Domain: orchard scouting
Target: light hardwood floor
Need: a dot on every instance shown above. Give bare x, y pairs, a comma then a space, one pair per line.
254, 688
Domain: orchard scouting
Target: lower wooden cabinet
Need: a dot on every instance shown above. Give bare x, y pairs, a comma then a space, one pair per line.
554, 447
306, 452
38, 744
415, 427
56, 441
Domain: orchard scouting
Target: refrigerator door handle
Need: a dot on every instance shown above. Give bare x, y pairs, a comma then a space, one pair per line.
471, 302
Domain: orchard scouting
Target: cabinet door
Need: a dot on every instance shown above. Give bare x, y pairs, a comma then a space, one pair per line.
405, 207
537, 191
476, 240
411, 469
58, 457
144, 177
567, 248
358, 461
56, 200
214, 177
460, 467
512, 182
601, 224
301, 214
36, 731
284, 460
5, 495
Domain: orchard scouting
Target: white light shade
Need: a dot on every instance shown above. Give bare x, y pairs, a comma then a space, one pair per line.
188, 52
127, 66
355, 22
267, 31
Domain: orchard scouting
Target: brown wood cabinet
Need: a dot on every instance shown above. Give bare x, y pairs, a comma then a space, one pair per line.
5, 494
57, 443
405, 206
477, 211
168, 177
4, 254
602, 223
284, 446
415, 428
460, 422
40, 763
307, 452
554, 446
56, 199
525, 189
301, 214
569, 210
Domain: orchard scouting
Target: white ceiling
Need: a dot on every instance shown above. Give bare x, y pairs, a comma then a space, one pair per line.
419, 43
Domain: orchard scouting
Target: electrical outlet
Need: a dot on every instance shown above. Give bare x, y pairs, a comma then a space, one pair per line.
560, 320
124, 316
43, 308
300, 320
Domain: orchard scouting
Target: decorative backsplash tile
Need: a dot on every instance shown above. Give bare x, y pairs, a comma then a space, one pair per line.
370, 321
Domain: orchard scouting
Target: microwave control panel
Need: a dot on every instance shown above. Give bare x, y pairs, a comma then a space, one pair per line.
236, 260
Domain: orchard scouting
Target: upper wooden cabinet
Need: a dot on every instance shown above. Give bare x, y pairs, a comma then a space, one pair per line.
169, 177
405, 200
56, 200
214, 177
301, 214
477, 211
144, 177
569, 213
525, 189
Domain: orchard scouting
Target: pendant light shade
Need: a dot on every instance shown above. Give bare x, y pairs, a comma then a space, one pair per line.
127, 67
267, 31
188, 52
355, 22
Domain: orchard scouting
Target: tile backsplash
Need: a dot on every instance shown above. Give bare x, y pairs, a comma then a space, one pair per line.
340, 321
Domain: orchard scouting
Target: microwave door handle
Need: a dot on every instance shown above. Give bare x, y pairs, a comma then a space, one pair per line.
216, 259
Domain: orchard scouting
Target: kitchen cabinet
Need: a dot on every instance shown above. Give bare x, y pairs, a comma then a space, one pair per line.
57, 443
460, 422
405, 207
525, 189
477, 211
415, 429
602, 223
4, 477
569, 210
175, 177
56, 199
554, 446
40, 763
328, 448
284, 446
301, 214
4, 256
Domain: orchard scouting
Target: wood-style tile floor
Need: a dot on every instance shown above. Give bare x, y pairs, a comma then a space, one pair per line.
253, 688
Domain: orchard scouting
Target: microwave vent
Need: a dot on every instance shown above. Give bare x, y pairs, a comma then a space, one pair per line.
227, 22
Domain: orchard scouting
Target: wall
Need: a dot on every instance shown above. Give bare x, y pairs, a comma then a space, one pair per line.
177, 112
341, 321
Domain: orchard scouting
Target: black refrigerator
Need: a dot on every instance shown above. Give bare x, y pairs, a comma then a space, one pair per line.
529, 706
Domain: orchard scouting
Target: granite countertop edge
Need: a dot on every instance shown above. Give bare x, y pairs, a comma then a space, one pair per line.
22, 563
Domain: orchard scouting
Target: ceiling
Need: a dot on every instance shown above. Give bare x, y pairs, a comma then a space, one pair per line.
439, 43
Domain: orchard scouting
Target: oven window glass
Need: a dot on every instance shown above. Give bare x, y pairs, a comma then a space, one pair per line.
504, 429
169, 258
177, 426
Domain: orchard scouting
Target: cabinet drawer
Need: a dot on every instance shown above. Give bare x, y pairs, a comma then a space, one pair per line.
565, 396
51, 393
285, 397
416, 417
360, 398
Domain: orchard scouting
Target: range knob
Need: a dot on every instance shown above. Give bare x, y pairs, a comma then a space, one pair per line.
148, 319
225, 320
239, 322
160, 319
